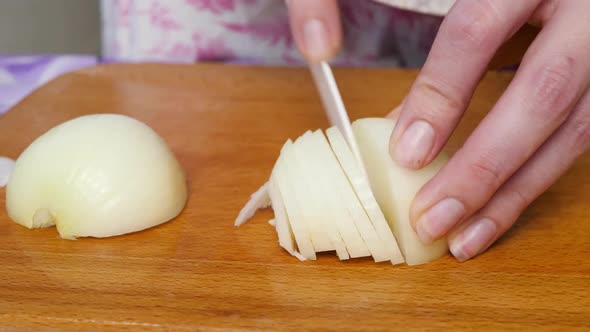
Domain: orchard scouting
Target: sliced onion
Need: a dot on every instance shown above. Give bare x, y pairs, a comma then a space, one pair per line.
323, 201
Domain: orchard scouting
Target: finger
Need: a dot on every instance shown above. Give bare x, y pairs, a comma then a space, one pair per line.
466, 42
394, 114
544, 12
554, 74
553, 159
316, 28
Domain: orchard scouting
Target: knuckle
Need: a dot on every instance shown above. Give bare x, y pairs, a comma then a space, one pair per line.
580, 131
442, 101
507, 205
517, 198
486, 173
553, 92
473, 24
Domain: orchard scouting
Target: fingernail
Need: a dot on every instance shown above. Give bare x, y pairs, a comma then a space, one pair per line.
473, 240
440, 218
415, 144
316, 39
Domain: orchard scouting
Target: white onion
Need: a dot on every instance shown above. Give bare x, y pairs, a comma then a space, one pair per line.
98, 176
6, 167
258, 200
395, 187
362, 187
323, 202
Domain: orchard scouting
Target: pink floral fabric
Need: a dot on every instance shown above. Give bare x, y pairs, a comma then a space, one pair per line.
257, 31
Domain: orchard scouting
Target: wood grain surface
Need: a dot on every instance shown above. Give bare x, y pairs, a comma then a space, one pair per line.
226, 125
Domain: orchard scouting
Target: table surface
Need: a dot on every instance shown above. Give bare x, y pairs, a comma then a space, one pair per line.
198, 272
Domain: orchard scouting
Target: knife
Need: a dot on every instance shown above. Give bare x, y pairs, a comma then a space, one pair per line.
334, 106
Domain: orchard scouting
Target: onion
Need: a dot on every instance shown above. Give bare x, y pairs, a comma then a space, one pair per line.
6, 167
258, 200
365, 195
323, 202
96, 176
395, 187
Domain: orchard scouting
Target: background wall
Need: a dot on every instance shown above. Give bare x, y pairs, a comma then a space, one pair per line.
50, 26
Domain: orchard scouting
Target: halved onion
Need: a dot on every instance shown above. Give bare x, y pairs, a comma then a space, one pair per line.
98, 175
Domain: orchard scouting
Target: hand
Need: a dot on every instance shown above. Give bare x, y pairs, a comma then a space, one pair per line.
316, 28
532, 135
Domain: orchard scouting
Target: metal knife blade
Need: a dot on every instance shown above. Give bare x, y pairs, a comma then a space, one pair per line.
334, 106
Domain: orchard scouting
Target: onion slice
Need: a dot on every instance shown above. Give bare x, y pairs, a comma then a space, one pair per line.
259, 200
285, 175
326, 212
365, 195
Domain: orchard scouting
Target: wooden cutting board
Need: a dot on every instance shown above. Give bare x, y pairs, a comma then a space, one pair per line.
198, 272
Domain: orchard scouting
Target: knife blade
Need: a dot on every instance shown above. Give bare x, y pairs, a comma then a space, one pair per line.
334, 106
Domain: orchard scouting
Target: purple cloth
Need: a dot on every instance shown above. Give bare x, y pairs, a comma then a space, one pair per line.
22, 74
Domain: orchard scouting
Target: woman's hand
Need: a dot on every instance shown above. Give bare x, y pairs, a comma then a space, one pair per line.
533, 134
536, 130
